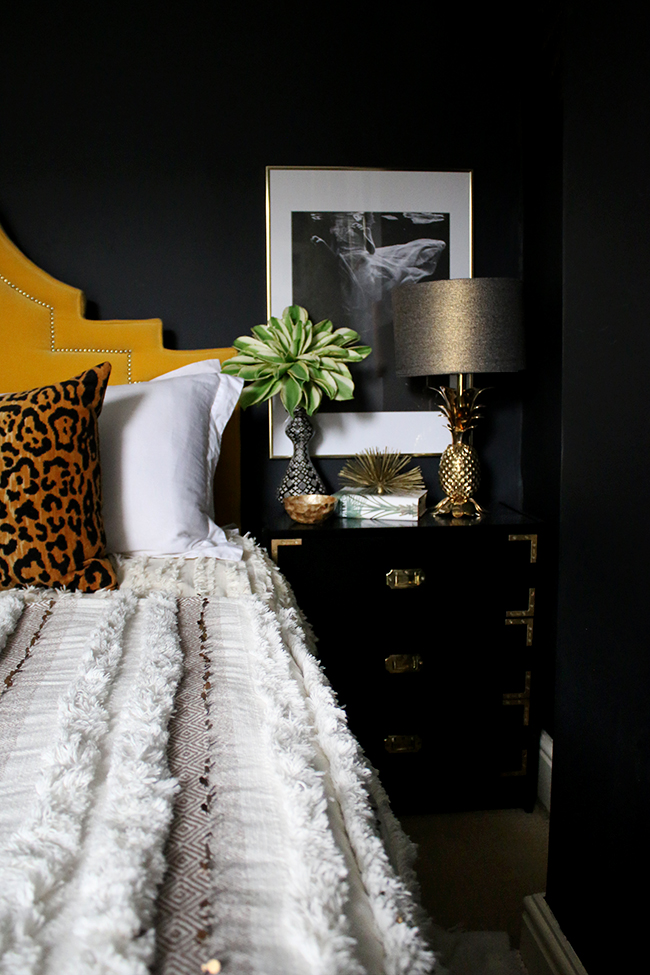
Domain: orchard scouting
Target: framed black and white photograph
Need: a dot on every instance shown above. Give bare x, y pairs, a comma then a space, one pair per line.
338, 242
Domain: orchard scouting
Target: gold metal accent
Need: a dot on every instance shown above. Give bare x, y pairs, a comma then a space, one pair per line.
405, 578
522, 770
527, 538
526, 621
402, 744
521, 698
525, 704
530, 609
403, 663
382, 471
521, 694
277, 542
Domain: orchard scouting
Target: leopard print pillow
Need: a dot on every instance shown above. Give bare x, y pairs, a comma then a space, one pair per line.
51, 528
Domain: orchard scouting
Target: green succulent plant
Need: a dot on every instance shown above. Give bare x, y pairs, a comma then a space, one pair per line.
296, 359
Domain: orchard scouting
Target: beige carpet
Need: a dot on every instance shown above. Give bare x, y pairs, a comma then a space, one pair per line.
476, 868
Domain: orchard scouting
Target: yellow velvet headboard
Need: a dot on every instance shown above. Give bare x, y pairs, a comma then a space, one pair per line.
44, 338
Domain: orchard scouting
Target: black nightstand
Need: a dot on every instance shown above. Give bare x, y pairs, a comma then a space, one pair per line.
429, 634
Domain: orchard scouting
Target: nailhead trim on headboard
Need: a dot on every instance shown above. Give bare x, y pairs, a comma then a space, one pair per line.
53, 348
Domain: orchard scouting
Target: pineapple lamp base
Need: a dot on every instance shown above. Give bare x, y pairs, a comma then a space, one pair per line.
459, 509
460, 471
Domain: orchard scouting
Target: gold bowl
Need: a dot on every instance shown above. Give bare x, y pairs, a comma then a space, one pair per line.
310, 508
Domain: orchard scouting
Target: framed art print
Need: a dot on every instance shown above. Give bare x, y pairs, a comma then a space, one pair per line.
338, 242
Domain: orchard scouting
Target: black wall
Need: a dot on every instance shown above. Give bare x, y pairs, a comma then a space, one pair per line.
135, 140
601, 772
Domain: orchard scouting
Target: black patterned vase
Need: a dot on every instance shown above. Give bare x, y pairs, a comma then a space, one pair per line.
301, 476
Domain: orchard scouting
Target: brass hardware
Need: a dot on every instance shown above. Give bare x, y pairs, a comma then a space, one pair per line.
522, 617
404, 578
520, 694
525, 704
527, 538
402, 663
530, 609
526, 621
524, 766
276, 542
521, 698
401, 744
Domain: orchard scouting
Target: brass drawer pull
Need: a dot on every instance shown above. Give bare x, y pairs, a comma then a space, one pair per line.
401, 744
404, 578
403, 663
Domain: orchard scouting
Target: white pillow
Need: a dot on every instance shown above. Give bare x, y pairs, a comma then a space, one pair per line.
160, 443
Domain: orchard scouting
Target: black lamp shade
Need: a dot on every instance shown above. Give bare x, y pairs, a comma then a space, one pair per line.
461, 325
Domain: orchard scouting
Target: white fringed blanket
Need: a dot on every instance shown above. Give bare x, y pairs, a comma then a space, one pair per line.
178, 784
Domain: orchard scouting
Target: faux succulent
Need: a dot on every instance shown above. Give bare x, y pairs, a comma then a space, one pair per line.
296, 359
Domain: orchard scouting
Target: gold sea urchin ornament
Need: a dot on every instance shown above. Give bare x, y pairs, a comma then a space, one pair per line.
383, 472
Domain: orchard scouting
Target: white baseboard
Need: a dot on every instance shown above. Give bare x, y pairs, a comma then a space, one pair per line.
545, 770
544, 949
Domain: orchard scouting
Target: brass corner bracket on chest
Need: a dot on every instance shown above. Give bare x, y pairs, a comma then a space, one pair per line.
528, 611
277, 542
524, 617
521, 771
532, 538
520, 699
526, 621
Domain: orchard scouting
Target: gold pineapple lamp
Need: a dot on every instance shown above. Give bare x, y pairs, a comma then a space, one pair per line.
459, 326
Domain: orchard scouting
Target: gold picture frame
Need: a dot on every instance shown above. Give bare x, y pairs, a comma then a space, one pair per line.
352, 202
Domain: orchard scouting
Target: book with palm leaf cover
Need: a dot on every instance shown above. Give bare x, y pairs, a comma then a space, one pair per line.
379, 487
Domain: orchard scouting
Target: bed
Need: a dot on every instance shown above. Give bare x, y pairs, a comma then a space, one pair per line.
179, 791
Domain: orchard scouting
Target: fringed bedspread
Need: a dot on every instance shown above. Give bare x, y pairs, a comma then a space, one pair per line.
178, 784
